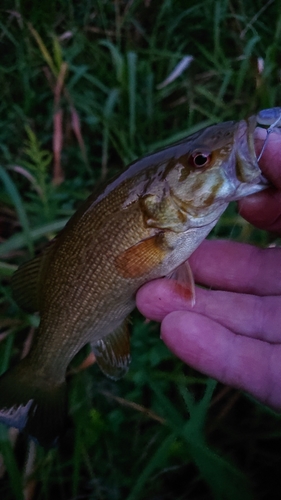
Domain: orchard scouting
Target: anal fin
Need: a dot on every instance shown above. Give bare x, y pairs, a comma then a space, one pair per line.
113, 352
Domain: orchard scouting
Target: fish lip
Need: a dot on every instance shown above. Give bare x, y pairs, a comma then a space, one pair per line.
253, 124
246, 174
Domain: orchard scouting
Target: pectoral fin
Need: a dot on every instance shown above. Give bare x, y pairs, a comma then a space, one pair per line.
26, 281
113, 352
143, 257
183, 281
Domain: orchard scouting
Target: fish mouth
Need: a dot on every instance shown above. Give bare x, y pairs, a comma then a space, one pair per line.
270, 120
248, 176
255, 122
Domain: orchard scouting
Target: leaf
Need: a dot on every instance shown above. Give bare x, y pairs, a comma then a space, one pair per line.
19, 206
44, 51
19, 240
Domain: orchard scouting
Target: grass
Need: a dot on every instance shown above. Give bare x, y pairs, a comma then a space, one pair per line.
80, 99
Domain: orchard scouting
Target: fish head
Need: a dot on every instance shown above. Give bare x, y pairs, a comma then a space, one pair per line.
213, 167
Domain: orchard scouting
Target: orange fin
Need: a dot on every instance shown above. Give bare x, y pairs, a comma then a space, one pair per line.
26, 281
113, 352
183, 281
141, 258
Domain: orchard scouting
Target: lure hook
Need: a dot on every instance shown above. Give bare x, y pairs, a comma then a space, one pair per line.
268, 132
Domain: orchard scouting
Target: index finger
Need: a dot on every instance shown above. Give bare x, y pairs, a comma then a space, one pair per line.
238, 267
245, 363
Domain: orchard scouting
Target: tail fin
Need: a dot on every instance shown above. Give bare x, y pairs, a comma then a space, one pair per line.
31, 403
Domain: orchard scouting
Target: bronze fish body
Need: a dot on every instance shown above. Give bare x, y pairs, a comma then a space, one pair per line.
143, 225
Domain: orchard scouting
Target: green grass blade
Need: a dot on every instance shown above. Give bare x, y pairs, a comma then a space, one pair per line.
18, 240
179, 135
17, 201
244, 67
217, 471
7, 353
7, 453
7, 269
132, 78
225, 480
116, 58
154, 462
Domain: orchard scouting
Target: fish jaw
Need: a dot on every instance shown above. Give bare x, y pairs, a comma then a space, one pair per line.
245, 174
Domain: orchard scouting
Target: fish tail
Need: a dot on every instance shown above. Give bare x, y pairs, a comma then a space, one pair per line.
32, 403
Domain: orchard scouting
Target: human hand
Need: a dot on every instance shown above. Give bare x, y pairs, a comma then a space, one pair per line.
233, 331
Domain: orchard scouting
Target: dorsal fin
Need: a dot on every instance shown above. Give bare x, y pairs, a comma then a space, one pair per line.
26, 281
113, 352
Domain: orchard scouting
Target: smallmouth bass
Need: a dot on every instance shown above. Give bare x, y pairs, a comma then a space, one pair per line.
143, 225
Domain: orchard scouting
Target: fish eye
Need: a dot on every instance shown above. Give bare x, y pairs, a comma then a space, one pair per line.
200, 159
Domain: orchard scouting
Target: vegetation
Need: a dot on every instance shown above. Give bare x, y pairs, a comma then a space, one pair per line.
81, 96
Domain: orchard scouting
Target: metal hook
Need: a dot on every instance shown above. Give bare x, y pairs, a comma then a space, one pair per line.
268, 132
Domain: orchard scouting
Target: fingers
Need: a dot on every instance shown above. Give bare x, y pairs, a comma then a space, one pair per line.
237, 267
263, 210
248, 364
249, 315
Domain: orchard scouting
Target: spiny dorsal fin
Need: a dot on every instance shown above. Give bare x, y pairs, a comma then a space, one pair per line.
113, 352
26, 281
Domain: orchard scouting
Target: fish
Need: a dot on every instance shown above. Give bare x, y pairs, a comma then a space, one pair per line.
142, 225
